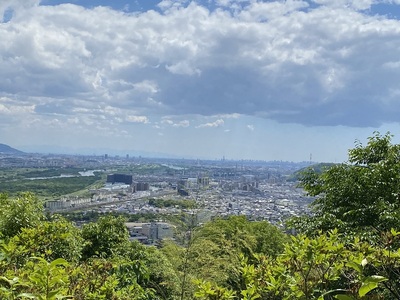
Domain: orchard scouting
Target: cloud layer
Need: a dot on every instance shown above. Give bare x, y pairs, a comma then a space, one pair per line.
321, 62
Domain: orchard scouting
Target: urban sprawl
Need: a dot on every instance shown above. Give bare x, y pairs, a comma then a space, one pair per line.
257, 189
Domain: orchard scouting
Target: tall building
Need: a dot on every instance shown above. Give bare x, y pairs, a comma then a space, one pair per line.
142, 186
120, 178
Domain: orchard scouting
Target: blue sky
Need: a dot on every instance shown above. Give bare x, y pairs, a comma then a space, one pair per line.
244, 79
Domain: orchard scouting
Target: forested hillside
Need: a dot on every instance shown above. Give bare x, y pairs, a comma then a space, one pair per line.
347, 249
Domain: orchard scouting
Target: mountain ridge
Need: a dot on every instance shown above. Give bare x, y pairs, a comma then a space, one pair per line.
5, 149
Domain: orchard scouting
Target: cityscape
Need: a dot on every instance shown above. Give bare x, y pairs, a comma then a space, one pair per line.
199, 149
259, 190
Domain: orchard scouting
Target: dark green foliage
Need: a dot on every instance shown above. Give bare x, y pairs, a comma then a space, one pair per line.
185, 204
104, 238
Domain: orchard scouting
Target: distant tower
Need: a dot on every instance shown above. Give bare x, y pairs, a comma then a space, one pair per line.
310, 158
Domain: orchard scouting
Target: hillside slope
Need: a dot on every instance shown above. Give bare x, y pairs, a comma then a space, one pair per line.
5, 149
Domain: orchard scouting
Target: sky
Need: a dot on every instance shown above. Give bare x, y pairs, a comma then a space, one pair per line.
241, 79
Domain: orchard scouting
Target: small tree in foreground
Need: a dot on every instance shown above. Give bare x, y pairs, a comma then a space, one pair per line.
361, 196
24, 211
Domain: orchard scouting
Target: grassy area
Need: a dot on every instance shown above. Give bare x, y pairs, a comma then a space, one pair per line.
16, 180
48, 188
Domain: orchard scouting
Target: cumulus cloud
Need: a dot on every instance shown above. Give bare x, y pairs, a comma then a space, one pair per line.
137, 119
8, 8
329, 63
182, 123
216, 123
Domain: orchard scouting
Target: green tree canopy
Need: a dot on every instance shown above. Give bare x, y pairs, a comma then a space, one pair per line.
104, 238
360, 195
24, 211
51, 240
215, 250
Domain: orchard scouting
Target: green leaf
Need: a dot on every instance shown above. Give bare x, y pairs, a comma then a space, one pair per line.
344, 297
355, 266
26, 295
375, 279
366, 288
394, 232
58, 261
370, 283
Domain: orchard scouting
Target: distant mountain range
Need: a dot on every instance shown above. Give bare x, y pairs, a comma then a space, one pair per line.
5, 149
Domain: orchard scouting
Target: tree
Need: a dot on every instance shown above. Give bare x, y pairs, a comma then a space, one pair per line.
215, 249
104, 238
51, 240
25, 211
362, 195
161, 276
321, 267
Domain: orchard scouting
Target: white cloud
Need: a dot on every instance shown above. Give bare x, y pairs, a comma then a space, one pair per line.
250, 127
167, 121
356, 4
229, 116
12, 107
138, 119
181, 123
217, 123
265, 11
270, 56
184, 123
12, 6
183, 68
282, 60
146, 86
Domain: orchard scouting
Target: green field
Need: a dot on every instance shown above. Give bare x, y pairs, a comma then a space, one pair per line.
14, 181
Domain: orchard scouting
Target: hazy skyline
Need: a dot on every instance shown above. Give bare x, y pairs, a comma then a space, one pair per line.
244, 79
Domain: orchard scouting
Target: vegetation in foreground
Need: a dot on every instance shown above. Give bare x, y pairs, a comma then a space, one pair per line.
348, 248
